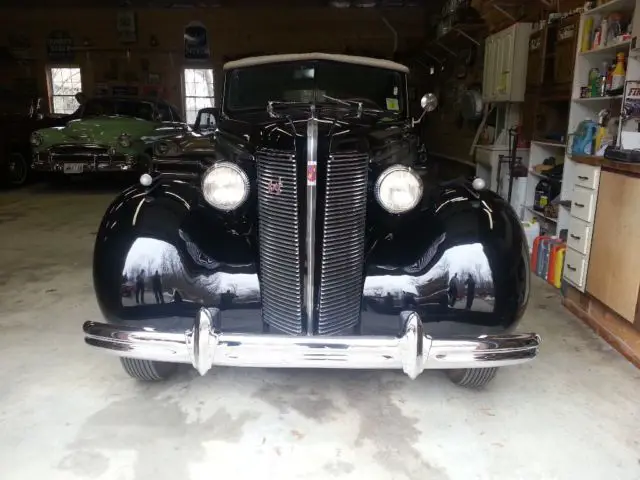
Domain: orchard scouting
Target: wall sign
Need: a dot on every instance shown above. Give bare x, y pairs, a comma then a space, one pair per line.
196, 42
60, 46
126, 26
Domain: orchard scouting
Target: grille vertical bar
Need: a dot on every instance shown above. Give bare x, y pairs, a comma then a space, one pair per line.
343, 236
278, 230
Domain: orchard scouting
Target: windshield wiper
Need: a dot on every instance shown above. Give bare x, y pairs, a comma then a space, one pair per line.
276, 103
348, 103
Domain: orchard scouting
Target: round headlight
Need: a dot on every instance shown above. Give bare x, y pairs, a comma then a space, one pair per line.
398, 189
124, 140
164, 148
35, 139
225, 186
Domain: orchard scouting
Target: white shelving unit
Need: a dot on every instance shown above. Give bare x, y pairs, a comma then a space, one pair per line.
580, 181
540, 150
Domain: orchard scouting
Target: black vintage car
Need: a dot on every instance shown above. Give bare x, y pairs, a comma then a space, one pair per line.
17, 125
310, 234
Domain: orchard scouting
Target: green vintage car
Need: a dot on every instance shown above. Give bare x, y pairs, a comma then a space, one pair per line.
107, 134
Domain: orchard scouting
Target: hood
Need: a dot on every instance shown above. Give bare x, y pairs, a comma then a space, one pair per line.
257, 129
106, 128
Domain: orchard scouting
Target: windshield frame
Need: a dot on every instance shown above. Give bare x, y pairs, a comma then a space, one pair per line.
226, 111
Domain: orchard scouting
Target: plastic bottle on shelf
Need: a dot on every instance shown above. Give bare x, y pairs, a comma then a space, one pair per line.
594, 77
604, 31
586, 35
618, 76
610, 75
596, 39
604, 73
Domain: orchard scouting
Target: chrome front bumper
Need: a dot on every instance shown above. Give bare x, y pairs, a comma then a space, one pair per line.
91, 163
203, 347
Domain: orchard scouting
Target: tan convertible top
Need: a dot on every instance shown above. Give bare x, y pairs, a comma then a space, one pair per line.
292, 57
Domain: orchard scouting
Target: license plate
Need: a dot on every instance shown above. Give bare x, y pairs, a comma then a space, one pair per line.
72, 168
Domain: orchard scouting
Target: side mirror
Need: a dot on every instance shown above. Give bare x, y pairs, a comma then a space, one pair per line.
428, 102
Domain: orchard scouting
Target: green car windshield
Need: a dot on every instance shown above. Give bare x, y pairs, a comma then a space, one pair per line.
121, 107
313, 82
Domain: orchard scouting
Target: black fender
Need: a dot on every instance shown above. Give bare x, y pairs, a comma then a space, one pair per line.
201, 256
461, 233
207, 258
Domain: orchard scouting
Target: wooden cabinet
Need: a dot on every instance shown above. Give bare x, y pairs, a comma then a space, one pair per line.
614, 264
565, 50
505, 64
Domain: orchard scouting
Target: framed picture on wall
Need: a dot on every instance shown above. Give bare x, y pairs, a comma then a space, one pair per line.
126, 27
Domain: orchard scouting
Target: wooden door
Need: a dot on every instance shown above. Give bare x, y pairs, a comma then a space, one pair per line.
614, 263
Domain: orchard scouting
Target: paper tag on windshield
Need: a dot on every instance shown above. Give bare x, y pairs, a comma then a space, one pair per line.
393, 104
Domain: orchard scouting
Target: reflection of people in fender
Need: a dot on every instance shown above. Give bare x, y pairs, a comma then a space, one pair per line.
156, 283
140, 287
177, 297
453, 289
471, 291
226, 299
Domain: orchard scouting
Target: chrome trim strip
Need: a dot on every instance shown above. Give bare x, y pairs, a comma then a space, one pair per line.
310, 237
204, 346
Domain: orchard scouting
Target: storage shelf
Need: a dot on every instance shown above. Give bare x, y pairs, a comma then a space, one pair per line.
608, 49
542, 175
548, 143
597, 99
612, 6
541, 215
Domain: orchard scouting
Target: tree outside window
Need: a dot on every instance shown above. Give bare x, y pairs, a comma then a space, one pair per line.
66, 82
198, 91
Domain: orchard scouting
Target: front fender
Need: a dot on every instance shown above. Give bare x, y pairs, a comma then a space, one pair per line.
462, 264
188, 256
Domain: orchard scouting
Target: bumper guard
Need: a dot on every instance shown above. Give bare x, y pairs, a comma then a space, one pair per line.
203, 347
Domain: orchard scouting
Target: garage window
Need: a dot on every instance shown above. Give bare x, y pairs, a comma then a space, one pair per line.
198, 91
65, 83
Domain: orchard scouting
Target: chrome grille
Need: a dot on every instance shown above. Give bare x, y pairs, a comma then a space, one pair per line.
342, 258
278, 230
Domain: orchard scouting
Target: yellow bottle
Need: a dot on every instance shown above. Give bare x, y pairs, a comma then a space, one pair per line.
586, 35
618, 76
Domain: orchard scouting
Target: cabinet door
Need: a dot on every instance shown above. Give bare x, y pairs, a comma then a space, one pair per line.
614, 261
507, 44
536, 60
488, 74
564, 61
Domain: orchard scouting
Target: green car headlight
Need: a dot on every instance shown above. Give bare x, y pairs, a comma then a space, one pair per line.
166, 149
35, 139
124, 140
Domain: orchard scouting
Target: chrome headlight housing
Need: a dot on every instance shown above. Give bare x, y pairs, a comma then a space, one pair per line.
398, 189
225, 186
124, 140
35, 139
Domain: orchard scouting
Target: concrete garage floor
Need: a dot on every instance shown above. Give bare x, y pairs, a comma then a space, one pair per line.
68, 412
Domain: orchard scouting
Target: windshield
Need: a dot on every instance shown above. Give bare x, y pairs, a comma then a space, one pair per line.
126, 108
314, 81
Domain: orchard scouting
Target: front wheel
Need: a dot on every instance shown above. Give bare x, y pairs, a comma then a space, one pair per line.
147, 370
472, 377
18, 169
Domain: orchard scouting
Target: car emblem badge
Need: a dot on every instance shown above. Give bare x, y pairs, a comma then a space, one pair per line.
311, 173
275, 187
